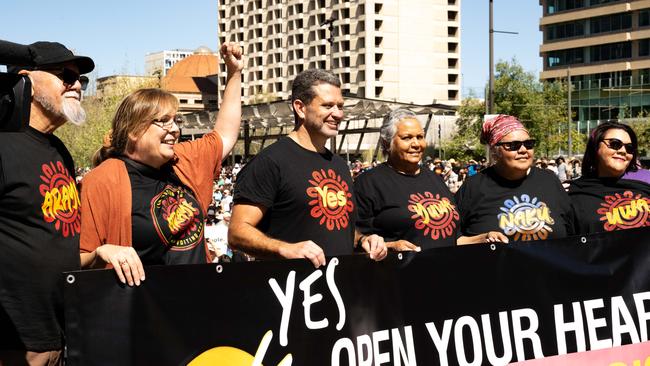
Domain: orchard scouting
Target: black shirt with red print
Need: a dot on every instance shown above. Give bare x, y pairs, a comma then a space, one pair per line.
39, 238
608, 204
418, 208
307, 196
167, 221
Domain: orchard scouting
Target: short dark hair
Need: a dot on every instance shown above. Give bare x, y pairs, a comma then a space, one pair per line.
302, 87
590, 159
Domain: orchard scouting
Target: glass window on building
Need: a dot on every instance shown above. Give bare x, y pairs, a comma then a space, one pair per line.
565, 57
644, 18
565, 30
644, 47
553, 6
611, 23
613, 51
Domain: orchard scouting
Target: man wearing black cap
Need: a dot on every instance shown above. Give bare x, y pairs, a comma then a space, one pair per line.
39, 210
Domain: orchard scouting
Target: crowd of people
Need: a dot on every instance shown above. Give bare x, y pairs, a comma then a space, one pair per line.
152, 200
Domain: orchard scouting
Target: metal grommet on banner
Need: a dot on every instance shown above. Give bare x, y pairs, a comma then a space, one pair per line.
400, 256
493, 247
219, 268
583, 240
70, 279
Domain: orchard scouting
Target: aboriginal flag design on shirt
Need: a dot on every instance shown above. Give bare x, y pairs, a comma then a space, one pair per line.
610, 204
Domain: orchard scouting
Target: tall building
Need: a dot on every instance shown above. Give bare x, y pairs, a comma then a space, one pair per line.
604, 45
160, 62
399, 50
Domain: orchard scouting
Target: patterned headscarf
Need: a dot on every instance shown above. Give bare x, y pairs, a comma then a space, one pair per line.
496, 128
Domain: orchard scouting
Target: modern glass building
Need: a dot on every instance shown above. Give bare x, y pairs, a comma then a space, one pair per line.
604, 45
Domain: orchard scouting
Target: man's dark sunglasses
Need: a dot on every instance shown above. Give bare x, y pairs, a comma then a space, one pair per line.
68, 76
516, 145
616, 144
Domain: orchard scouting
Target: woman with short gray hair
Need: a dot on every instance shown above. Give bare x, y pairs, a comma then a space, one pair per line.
407, 204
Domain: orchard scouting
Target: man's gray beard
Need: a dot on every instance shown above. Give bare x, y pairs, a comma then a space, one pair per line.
71, 110
74, 112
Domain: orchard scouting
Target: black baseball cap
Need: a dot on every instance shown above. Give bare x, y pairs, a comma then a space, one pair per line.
45, 54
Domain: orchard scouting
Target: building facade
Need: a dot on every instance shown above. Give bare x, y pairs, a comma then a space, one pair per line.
118, 84
400, 50
193, 80
604, 46
159, 63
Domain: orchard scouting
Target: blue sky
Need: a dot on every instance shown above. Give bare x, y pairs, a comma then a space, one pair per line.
118, 33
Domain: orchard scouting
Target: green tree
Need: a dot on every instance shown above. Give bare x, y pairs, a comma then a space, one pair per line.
83, 141
465, 144
542, 108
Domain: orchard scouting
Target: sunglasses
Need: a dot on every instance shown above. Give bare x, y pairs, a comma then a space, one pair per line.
168, 123
68, 76
516, 145
616, 144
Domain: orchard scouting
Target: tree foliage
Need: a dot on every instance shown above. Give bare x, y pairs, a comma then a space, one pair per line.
541, 107
83, 141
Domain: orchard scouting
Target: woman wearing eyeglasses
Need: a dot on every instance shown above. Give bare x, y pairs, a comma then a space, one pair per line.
512, 200
146, 201
604, 200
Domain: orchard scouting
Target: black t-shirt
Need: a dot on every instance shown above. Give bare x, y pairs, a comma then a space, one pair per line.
608, 204
533, 208
39, 238
308, 195
418, 208
167, 221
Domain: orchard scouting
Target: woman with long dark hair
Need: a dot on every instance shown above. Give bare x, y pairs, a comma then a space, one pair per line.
604, 200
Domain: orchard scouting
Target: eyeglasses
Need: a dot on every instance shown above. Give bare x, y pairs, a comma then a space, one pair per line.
516, 145
168, 123
68, 76
616, 144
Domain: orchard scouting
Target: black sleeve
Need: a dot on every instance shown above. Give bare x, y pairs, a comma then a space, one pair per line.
2, 178
365, 201
463, 199
567, 207
258, 182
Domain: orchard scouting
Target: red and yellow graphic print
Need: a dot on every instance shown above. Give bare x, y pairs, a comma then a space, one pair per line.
60, 199
177, 219
625, 211
331, 199
433, 214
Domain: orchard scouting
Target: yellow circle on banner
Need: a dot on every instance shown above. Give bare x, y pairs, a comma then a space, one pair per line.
223, 356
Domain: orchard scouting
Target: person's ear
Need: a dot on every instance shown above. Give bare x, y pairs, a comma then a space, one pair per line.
300, 108
28, 74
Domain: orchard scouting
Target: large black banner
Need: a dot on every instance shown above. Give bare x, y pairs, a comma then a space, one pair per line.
472, 305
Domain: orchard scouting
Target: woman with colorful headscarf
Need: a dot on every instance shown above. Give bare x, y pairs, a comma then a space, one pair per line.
512, 200
610, 196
